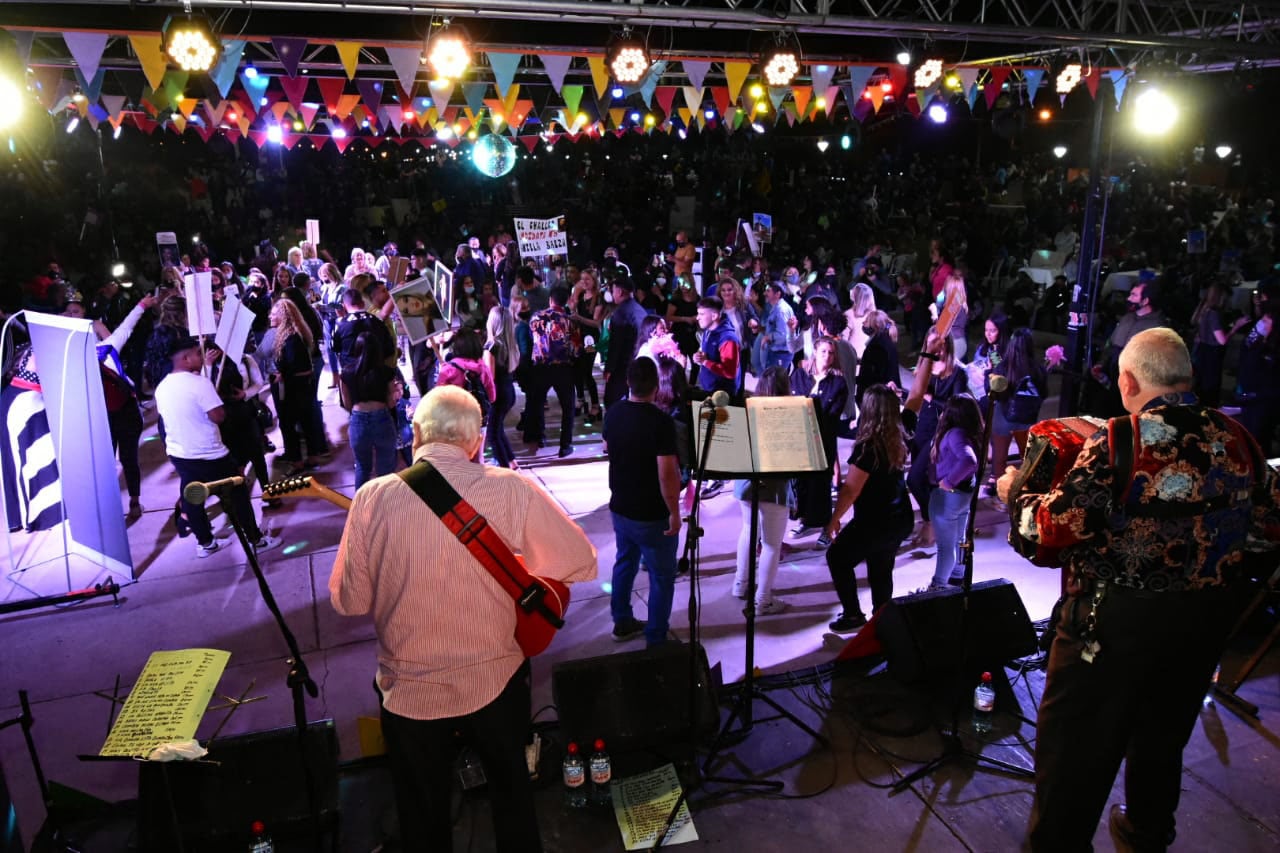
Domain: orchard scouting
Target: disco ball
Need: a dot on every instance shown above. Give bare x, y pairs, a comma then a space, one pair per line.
493, 155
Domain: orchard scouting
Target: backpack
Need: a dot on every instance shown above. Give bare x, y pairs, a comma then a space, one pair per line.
473, 383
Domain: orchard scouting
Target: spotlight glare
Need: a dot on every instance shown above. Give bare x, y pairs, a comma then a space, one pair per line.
886, 86
953, 82
449, 56
617, 92
756, 91
410, 115
628, 60
1045, 115
11, 102
298, 126
821, 103
339, 133
780, 66
117, 269
115, 134
190, 42
937, 114
1068, 78
904, 58
231, 115
823, 145
444, 132
1059, 151
495, 121
635, 116
710, 114
757, 127
650, 120
251, 72
471, 134
1223, 151
929, 72
1154, 112
845, 142
73, 124
275, 134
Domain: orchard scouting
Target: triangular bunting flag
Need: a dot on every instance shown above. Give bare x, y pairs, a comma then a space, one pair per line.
473, 94
290, 139
391, 117
331, 92
530, 142
649, 83
214, 113
92, 89
175, 84
509, 99
495, 107
22, 40
572, 98
203, 132
821, 76
857, 84
295, 89
829, 97
968, 78
1032, 77
441, 92
1091, 79
371, 93
308, 115
86, 49
995, 83
346, 104
557, 65
599, 74
181, 124
877, 97
693, 98
972, 97
279, 110
898, 79
243, 123
696, 72
789, 109
735, 73
341, 144
685, 114
289, 49
114, 104
256, 87
665, 95
349, 54
720, 94
617, 115
150, 52
405, 61
801, 94
223, 74
504, 67
777, 94
187, 106
1119, 80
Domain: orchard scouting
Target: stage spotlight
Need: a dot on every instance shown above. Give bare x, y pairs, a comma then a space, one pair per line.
823, 145
274, 134
117, 269
780, 64
338, 133
1223, 151
635, 117
448, 55
709, 114
929, 72
846, 142
444, 132
11, 103
1045, 115
1154, 112
298, 126
115, 134
650, 120
682, 133
1059, 151
1068, 78
410, 115
953, 82
937, 113
757, 127
617, 92
190, 42
627, 58
73, 124
251, 72
904, 57
756, 91
821, 103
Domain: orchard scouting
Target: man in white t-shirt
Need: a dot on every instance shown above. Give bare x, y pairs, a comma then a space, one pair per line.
191, 410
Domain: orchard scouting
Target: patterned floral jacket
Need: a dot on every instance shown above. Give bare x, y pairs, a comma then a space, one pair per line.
1194, 509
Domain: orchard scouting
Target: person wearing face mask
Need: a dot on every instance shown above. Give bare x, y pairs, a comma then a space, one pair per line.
684, 256
1142, 313
467, 265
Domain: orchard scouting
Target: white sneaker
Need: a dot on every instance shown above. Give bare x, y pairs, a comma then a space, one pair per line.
266, 543
740, 590
776, 605
203, 551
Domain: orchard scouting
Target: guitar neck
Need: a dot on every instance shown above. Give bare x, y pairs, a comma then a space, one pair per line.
336, 498
306, 487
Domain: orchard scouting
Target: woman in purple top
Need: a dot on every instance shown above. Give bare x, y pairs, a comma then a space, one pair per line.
953, 466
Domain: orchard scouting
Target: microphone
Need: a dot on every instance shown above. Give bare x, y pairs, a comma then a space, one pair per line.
999, 384
712, 407
197, 492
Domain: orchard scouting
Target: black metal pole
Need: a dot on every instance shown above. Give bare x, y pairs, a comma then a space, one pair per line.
1083, 295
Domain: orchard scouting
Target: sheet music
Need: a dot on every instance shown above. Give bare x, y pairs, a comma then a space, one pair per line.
785, 433
730, 440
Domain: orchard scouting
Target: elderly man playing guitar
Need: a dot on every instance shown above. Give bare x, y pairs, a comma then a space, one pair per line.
449, 655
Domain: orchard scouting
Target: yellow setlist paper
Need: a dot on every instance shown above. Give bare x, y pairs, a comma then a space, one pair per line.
168, 701
642, 804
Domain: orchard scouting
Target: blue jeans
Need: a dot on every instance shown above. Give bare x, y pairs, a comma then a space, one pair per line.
950, 514
637, 540
373, 442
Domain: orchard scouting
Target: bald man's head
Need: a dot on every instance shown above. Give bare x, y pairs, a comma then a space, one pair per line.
1154, 362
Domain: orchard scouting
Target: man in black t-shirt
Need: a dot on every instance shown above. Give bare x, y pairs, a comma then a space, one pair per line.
644, 482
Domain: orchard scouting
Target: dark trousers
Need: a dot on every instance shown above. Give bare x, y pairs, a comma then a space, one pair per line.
1138, 702
126, 432
859, 543
420, 755
918, 479
813, 498
585, 380
422, 359
496, 431
615, 388
205, 470
546, 377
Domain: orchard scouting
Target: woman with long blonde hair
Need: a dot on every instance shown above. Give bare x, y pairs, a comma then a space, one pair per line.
291, 379
954, 291
502, 355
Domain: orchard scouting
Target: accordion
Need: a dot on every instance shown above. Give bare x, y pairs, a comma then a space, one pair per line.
1051, 451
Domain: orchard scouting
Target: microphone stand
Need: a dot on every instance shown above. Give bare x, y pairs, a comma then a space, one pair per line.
298, 679
953, 749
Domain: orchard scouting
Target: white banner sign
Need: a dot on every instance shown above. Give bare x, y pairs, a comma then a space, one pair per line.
234, 328
200, 317
541, 237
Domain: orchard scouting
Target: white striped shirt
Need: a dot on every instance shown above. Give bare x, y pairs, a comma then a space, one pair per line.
446, 629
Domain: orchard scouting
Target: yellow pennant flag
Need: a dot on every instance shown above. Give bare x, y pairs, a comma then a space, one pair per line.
616, 115
471, 117
599, 74
150, 52
509, 99
735, 73
433, 116
685, 114
244, 122
349, 53
180, 123
187, 106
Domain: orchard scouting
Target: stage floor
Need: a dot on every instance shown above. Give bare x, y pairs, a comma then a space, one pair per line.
70, 659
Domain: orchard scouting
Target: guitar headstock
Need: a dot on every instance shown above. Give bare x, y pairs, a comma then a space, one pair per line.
288, 486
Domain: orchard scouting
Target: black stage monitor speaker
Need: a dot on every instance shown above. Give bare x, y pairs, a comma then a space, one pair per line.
919, 633
256, 776
635, 700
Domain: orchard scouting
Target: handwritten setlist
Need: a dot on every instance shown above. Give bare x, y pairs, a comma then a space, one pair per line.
642, 804
771, 435
168, 701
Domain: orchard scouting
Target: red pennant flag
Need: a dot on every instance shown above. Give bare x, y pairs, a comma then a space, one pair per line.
619, 132
295, 89
530, 142
373, 141
720, 94
330, 92
452, 141
258, 137
1091, 80
143, 123
291, 139
233, 135
342, 143
665, 95
995, 84
204, 130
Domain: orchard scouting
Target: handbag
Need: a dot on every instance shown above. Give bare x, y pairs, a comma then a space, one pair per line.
540, 602
1023, 405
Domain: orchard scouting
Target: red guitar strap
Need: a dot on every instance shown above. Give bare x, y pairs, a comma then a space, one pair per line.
473, 530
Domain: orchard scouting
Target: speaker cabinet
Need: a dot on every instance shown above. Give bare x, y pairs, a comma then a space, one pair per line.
920, 633
245, 778
635, 700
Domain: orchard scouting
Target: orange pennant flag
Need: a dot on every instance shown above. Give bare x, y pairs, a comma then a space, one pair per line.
346, 104
802, 94
280, 109
616, 115
187, 106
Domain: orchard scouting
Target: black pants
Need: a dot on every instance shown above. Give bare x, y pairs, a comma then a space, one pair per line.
546, 377
615, 388
918, 478
204, 470
1138, 702
586, 381
126, 433
496, 430
857, 543
422, 358
420, 754
813, 498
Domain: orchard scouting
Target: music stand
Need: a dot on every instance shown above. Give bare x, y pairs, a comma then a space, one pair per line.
953, 749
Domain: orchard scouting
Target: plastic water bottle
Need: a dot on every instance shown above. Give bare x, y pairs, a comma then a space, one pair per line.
261, 842
601, 774
575, 778
984, 704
